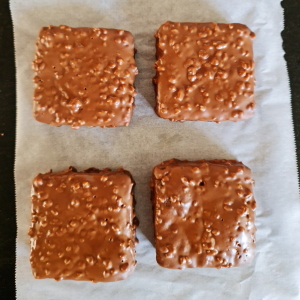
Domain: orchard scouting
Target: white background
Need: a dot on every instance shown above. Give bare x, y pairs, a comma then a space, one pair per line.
264, 143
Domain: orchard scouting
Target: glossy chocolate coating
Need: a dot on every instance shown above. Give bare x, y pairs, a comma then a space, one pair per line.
83, 225
204, 71
203, 214
84, 77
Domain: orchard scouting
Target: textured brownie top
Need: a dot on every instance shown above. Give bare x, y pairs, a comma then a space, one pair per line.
204, 72
84, 77
203, 214
83, 225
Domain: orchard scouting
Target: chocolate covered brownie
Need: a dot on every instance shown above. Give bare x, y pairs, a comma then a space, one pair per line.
83, 225
204, 72
203, 214
84, 77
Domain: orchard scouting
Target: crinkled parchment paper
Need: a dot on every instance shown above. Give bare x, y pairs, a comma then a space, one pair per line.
265, 143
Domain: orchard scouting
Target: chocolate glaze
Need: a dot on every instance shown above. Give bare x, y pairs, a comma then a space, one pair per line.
203, 214
83, 225
204, 71
84, 77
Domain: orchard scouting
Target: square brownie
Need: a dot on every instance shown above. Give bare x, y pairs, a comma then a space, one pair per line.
83, 225
204, 72
203, 214
84, 77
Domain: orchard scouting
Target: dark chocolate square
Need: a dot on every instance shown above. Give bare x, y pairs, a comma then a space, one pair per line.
84, 77
204, 72
83, 225
203, 214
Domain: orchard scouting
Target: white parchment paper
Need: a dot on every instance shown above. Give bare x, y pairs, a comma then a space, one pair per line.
265, 144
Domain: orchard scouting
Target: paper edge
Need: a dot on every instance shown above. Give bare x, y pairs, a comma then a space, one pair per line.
290, 98
15, 150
